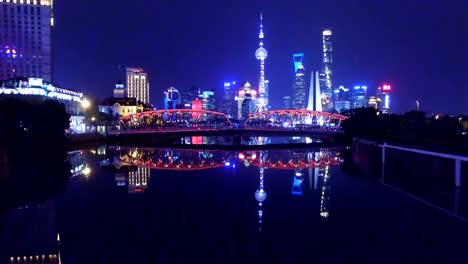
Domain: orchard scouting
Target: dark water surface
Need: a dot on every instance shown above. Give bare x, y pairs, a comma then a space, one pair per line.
134, 205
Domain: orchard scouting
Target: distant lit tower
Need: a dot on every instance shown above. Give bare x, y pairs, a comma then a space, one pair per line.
137, 84
359, 96
261, 103
342, 99
287, 103
315, 99
299, 96
228, 103
383, 93
171, 98
298, 58
327, 92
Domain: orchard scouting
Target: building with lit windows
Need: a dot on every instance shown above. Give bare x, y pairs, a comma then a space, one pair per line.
374, 102
208, 100
326, 79
359, 96
172, 99
244, 101
138, 85
383, 94
342, 99
25, 39
299, 89
228, 105
188, 95
298, 58
287, 103
121, 105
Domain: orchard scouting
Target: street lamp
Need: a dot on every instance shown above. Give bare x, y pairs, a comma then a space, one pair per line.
85, 103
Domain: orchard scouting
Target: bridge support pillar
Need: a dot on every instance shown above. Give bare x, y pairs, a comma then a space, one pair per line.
457, 172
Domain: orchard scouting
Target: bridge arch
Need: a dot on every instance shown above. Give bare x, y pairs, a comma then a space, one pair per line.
173, 118
295, 119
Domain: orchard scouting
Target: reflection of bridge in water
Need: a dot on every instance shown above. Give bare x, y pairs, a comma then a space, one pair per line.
202, 122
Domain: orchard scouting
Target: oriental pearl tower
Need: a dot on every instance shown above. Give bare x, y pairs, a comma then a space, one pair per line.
261, 103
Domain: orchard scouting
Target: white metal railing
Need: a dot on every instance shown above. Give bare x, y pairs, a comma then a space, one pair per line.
458, 159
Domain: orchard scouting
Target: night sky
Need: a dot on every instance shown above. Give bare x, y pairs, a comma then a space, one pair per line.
420, 47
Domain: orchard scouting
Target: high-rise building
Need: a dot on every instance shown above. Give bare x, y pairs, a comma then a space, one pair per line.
228, 106
244, 101
383, 93
297, 59
188, 95
315, 98
208, 100
119, 90
172, 99
359, 96
327, 93
261, 102
287, 103
342, 99
374, 102
25, 39
299, 96
138, 84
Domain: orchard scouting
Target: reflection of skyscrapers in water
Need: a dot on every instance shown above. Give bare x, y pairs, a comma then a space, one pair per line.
31, 236
260, 196
138, 179
325, 193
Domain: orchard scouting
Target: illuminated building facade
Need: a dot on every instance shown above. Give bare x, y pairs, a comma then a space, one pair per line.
287, 103
244, 101
383, 94
298, 58
359, 96
315, 98
299, 96
172, 99
374, 102
137, 84
25, 39
208, 100
228, 104
327, 93
138, 179
261, 102
342, 99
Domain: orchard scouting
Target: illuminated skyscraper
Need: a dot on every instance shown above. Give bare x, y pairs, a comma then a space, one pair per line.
327, 93
359, 96
137, 84
228, 106
297, 59
287, 102
342, 99
315, 99
172, 99
208, 100
261, 103
299, 99
25, 39
244, 101
383, 93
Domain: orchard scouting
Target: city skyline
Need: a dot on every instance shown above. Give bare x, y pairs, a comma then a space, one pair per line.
189, 48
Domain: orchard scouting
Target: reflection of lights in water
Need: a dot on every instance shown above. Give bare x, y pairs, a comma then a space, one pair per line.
325, 195
260, 196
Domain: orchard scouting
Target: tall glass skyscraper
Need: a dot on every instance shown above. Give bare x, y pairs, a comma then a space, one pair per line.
137, 84
359, 96
25, 39
299, 99
326, 83
228, 105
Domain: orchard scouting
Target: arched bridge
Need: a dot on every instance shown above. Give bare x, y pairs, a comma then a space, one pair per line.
203, 122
